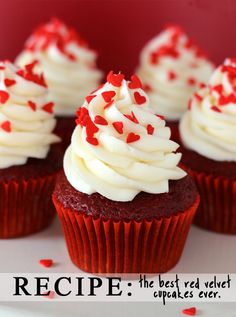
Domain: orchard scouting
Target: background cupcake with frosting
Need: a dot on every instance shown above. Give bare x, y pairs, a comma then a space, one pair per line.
124, 204
29, 159
208, 134
69, 66
172, 67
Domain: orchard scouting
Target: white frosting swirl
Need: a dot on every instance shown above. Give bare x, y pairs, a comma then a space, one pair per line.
68, 64
25, 131
118, 157
172, 69
209, 127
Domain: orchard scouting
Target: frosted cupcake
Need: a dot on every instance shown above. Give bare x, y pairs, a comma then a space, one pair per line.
208, 133
172, 67
29, 161
124, 204
69, 67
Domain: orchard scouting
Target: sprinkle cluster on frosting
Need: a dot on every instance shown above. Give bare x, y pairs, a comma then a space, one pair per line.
172, 67
67, 62
26, 117
209, 127
120, 146
55, 33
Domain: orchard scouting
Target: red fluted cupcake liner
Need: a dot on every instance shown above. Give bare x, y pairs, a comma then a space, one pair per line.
108, 246
217, 209
26, 206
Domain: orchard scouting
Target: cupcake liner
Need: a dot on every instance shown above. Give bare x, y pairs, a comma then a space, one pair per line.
217, 209
97, 245
26, 206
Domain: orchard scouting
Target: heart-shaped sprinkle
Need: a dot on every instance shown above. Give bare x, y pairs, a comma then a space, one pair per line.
108, 104
6, 126
191, 81
48, 107
171, 75
201, 85
108, 95
160, 117
198, 97
218, 88
150, 129
32, 105
132, 137
216, 109
135, 82
147, 87
139, 99
89, 98
46, 262
100, 120
190, 311
118, 125
92, 140
4, 96
115, 79
9, 82
50, 294
131, 117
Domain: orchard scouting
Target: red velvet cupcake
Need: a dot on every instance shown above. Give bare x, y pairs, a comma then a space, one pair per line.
28, 162
69, 67
172, 68
124, 204
208, 133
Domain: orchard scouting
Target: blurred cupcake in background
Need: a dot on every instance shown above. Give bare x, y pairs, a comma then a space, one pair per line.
29, 159
124, 204
208, 134
69, 67
172, 67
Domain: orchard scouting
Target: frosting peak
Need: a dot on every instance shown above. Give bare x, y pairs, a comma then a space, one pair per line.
68, 64
26, 117
119, 146
172, 67
209, 127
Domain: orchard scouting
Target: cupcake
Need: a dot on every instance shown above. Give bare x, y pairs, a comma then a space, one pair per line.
69, 67
124, 204
208, 133
29, 159
172, 67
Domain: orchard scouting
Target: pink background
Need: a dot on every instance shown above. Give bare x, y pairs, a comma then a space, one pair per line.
119, 29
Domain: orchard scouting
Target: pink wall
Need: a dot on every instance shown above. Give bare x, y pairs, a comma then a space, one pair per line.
118, 29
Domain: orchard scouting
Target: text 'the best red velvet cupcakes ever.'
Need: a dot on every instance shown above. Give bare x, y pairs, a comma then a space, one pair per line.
124, 204
29, 161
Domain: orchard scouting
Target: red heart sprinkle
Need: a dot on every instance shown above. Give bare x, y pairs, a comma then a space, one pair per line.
108, 95
147, 88
115, 79
150, 129
191, 81
48, 107
131, 117
32, 105
202, 85
108, 104
118, 125
198, 97
216, 109
135, 82
9, 82
160, 117
89, 98
92, 141
4, 96
46, 262
6, 126
100, 120
218, 88
139, 98
50, 294
171, 75
132, 137
190, 311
